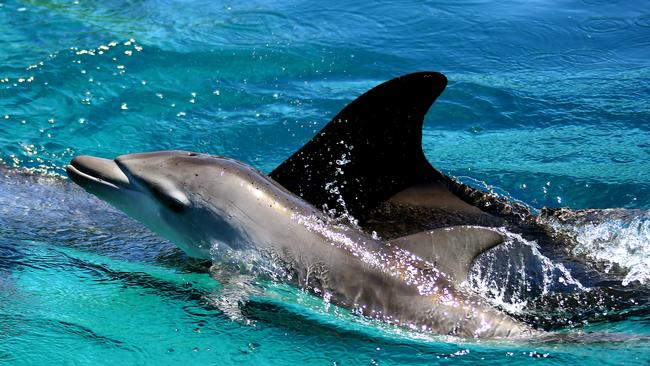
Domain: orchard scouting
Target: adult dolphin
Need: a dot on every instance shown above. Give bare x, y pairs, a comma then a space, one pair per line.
215, 207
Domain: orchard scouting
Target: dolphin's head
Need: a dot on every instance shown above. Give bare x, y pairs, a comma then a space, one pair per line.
185, 197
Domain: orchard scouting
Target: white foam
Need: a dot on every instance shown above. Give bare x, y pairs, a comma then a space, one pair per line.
624, 241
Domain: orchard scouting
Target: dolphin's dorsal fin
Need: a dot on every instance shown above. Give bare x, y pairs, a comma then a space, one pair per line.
370, 151
452, 249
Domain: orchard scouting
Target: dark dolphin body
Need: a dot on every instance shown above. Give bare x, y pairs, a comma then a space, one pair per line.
368, 162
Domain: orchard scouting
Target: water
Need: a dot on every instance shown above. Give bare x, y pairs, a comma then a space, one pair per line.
547, 104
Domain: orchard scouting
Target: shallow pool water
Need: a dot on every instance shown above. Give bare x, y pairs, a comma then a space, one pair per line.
547, 104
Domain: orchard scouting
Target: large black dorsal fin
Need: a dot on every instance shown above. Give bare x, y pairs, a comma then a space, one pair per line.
370, 151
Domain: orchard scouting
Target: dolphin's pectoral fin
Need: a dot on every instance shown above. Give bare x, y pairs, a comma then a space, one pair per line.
370, 151
452, 250
236, 289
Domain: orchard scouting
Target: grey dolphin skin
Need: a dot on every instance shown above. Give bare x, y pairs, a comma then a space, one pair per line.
368, 157
211, 205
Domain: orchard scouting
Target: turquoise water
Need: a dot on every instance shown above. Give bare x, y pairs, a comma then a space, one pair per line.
547, 103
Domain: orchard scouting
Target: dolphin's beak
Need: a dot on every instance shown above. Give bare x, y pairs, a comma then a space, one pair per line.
93, 173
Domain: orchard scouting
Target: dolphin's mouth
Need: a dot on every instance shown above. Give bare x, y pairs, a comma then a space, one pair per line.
90, 172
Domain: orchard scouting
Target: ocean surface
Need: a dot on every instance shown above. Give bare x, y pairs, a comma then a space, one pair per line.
548, 104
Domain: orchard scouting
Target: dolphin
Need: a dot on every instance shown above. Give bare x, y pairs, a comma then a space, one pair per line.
212, 207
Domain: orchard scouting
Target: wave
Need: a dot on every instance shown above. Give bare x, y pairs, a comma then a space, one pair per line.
615, 239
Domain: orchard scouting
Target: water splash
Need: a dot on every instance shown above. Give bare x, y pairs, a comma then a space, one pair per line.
516, 271
611, 237
334, 189
391, 260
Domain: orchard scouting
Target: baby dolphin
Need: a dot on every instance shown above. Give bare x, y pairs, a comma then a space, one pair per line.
210, 205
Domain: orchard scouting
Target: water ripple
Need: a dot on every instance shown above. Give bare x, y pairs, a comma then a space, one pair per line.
67, 337
604, 25
643, 21
9, 256
582, 57
257, 20
600, 2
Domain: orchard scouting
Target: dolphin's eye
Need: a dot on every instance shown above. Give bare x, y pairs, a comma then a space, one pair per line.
168, 200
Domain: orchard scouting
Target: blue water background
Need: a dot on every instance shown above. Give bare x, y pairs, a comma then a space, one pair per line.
548, 102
